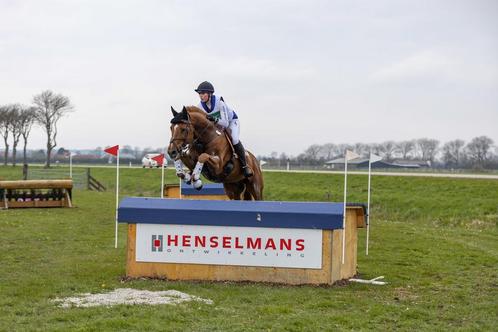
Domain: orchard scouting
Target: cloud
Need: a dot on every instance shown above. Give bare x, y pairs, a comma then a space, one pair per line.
288, 69
420, 66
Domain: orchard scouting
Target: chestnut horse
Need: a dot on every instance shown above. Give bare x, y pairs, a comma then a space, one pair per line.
204, 148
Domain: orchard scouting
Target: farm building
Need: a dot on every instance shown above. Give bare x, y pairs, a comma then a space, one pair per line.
361, 163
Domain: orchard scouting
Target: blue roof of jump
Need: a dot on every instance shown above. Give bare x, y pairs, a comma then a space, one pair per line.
207, 189
308, 215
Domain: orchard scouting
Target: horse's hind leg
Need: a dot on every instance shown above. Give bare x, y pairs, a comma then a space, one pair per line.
247, 195
254, 191
254, 184
234, 190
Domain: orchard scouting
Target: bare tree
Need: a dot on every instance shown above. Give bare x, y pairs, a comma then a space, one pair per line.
453, 152
329, 150
478, 150
312, 151
362, 149
5, 128
376, 149
26, 120
341, 148
50, 108
405, 148
15, 129
388, 148
428, 148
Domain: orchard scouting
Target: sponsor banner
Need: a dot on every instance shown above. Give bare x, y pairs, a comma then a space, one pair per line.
221, 245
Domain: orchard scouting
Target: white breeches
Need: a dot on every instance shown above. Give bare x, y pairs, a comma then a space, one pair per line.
235, 130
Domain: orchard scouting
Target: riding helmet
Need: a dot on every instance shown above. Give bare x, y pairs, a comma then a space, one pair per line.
205, 87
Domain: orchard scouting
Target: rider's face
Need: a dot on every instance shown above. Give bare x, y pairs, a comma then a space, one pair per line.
204, 96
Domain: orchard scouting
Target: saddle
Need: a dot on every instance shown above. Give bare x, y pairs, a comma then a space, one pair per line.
228, 135
228, 167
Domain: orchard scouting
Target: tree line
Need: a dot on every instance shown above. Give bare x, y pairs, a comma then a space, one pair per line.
478, 153
17, 120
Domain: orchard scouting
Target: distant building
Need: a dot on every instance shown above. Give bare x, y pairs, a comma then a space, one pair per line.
362, 163
412, 163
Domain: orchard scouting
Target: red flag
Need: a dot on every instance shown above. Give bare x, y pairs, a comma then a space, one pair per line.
159, 158
112, 150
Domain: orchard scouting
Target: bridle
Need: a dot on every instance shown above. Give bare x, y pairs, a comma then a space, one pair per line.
184, 149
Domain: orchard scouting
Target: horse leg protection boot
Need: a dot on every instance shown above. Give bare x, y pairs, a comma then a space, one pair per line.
241, 152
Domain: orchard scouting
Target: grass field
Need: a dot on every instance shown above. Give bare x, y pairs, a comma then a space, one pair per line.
434, 239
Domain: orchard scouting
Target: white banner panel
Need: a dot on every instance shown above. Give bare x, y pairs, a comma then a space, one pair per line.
224, 245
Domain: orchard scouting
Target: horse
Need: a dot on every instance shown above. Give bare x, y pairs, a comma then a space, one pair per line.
206, 149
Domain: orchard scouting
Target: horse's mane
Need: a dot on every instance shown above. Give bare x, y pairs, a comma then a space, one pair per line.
194, 110
198, 114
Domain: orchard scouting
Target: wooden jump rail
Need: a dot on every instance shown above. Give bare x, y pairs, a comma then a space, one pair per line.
280, 242
93, 184
210, 191
36, 193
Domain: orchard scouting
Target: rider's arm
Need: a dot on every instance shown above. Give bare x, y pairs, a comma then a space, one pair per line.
224, 120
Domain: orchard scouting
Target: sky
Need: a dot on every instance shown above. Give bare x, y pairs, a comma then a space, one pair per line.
296, 72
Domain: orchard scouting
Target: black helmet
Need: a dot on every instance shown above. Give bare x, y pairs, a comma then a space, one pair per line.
205, 87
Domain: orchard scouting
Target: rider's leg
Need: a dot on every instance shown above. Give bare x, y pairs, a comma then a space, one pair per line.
239, 148
241, 152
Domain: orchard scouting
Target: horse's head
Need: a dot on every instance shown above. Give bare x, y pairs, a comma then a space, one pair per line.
182, 133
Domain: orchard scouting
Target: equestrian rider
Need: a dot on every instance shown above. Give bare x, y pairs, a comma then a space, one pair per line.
219, 113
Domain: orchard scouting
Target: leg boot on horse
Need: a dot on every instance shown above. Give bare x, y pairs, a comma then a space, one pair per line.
241, 153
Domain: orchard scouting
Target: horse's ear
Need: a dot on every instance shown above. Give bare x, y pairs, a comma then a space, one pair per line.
184, 110
175, 113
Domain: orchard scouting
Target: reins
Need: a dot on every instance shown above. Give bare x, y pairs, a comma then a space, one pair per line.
195, 140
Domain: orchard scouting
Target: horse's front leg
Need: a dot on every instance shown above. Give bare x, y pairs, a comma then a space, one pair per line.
212, 161
180, 172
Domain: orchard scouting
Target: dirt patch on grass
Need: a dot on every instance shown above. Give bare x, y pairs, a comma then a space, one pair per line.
128, 296
404, 294
481, 224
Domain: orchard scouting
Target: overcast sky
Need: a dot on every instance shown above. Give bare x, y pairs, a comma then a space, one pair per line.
296, 72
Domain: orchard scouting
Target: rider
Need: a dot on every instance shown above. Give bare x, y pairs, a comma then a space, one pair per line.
219, 113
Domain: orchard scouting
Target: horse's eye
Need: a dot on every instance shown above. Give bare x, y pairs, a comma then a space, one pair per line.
184, 130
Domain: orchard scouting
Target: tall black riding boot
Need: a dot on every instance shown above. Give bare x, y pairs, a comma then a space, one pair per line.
241, 152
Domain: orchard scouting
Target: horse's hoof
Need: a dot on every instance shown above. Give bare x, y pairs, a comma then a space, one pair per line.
198, 184
187, 179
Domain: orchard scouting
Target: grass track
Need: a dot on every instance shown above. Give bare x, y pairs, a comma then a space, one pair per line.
434, 239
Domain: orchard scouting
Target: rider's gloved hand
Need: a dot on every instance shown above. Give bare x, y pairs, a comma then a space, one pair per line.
211, 118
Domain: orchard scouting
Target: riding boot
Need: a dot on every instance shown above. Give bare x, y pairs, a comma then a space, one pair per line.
240, 151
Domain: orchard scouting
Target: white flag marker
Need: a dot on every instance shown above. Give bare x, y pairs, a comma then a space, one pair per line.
350, 155
114, 150
373, 158
117, 201
162, 174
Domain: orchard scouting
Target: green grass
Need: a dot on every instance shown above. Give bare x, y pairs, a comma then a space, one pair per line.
434, 239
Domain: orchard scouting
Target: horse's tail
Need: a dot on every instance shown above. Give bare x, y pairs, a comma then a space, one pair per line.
255, 183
